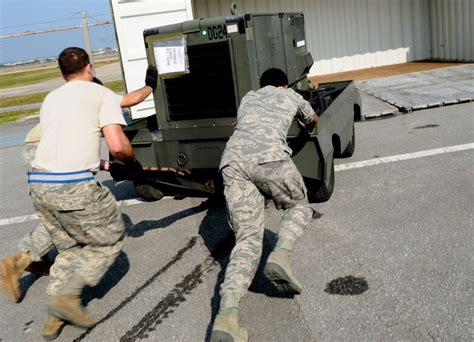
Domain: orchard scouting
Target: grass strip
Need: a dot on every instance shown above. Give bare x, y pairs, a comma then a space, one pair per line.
16, 115
22, 100
27, 77
115, 86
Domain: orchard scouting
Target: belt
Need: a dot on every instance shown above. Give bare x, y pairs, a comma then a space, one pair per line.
60, 177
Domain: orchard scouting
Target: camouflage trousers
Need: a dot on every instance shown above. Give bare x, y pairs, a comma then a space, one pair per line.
245, 189
85, 225
38, 242
29, 152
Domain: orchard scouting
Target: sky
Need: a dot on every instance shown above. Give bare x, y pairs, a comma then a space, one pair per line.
18, 16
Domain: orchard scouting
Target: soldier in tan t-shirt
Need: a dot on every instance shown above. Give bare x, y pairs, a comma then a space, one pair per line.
38, 242
73, 118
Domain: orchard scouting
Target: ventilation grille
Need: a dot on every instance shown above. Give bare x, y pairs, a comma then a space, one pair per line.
208, 90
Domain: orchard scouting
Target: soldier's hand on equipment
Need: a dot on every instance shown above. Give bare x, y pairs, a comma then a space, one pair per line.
151, 78
120, 170
305, 127
312, 125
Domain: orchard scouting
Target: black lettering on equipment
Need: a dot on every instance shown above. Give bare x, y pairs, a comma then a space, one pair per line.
216, 32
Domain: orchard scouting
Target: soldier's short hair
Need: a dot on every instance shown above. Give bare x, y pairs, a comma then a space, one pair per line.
274, 77
73, 60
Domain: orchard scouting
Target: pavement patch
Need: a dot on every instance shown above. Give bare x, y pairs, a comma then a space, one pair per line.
347, 286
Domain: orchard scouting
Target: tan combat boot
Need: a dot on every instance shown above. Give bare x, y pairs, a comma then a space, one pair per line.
226, 329
67, 306
278, 271
11, 269
52, 327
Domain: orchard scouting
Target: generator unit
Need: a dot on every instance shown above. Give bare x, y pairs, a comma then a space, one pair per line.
224, 58
205, 68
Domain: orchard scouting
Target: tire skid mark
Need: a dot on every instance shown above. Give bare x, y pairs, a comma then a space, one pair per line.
191, 243
166, 306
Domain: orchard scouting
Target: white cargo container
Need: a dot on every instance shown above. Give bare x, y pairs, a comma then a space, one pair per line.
130, 19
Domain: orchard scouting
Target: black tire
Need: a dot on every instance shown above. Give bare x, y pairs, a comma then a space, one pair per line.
350, 148
148, 191
324, 192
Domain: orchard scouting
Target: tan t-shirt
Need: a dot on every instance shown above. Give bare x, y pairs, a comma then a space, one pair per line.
34, 135
71, 119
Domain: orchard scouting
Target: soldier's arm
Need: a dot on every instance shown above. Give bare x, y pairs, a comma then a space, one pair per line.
313, 123
307, 114
135, 97
118, 143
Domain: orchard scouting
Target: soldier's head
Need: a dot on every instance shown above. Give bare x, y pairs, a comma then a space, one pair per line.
274, 77
73, 63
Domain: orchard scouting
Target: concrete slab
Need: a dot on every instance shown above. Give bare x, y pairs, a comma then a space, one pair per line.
373, 107
426, 89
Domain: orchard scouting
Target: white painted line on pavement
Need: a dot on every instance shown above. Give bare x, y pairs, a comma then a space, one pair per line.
340, 167
27, 218
18, 219
400, 157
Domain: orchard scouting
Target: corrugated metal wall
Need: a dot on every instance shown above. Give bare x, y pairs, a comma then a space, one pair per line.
348, 34
452, 29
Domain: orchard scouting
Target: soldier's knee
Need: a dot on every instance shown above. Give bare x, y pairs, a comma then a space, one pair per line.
250, 235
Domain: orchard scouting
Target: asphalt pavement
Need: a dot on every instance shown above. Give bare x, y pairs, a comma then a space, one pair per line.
389, 260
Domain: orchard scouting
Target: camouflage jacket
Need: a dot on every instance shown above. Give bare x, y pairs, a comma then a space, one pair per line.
263, 120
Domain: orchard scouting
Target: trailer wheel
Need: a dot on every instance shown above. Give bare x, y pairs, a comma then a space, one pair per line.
350, 148
148, 191
324, 192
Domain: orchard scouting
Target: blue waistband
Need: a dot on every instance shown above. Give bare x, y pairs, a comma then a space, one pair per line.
60, 177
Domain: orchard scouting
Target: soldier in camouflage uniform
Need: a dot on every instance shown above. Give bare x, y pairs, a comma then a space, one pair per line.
256, 164
81, 217
37, 243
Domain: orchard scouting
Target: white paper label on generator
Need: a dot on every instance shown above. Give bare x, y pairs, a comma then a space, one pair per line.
232, 28
300, 43
170, 59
